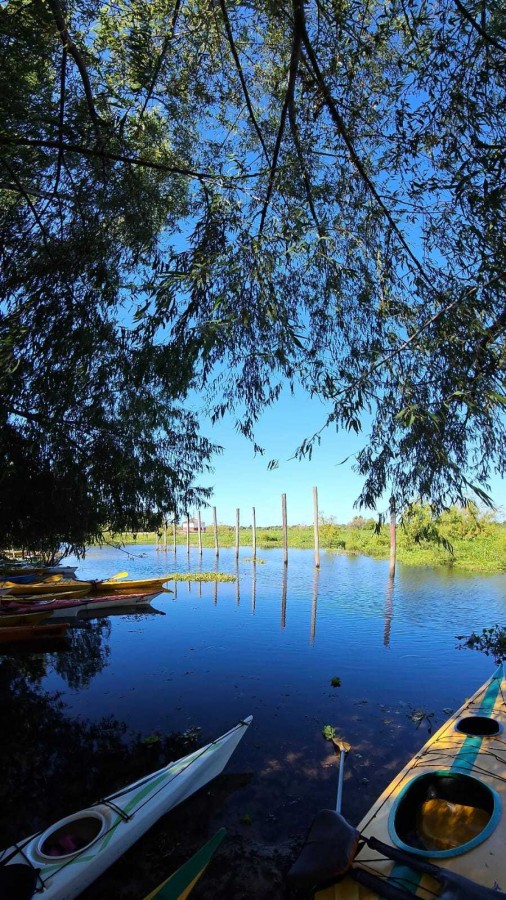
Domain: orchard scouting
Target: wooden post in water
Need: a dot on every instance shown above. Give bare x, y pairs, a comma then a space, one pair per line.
187, 534
285, 529
254, 533
215, 528
200, 534
316, 529
237, 534
174, 533
393, 539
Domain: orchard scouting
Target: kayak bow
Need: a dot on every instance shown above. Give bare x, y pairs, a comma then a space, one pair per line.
69, 855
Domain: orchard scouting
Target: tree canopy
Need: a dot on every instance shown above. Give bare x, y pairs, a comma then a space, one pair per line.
230, 195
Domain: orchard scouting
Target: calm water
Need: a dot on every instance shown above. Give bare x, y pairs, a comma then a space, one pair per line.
269, 645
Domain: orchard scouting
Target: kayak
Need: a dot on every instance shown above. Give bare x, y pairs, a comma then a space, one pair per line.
182, 882
17, 633
60, 862
114, 601
40, 588
130, 584
438, 829
64, 605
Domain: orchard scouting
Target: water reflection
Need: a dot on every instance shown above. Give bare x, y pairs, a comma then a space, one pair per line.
283, 597
389, 607
314, 605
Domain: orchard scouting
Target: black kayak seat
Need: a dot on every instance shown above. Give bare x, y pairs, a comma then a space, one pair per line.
17, 881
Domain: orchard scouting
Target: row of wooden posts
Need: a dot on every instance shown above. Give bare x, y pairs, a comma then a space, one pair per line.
284, 525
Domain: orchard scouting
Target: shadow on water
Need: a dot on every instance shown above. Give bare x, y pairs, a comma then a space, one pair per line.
297, 647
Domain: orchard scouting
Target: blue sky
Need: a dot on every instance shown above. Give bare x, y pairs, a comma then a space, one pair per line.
242, 480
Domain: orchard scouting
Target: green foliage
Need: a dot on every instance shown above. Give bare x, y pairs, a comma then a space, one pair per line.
335, 681
226, 199
329, 732
491, 641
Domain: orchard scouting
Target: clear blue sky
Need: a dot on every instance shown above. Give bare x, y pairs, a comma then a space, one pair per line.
242, 480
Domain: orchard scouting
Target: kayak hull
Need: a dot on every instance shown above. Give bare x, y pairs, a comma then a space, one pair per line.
132, 584
41, 588
61, 607
110, 827
465, 755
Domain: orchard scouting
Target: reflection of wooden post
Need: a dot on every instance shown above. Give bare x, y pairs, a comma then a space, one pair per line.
188, 535
237, 534
316, 529
200, 534
174, 534
237, 589
215, 593
314, 605
389, 607
254, 588
285, 529
283, 599
254, 533
393, 539
215, 528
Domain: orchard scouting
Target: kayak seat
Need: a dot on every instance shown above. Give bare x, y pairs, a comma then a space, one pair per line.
17, 881
330, 846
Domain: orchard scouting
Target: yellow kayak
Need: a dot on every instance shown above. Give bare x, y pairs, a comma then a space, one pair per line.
439, 828
42, 588
130, 584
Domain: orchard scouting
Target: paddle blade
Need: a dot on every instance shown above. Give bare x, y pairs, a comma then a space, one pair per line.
117, 576
328, 851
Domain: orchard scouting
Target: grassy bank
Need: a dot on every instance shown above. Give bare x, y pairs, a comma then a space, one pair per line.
477, 549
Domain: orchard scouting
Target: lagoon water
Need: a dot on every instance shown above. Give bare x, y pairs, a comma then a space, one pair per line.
269, 645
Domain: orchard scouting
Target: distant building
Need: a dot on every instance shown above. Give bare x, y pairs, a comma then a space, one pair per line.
192, 525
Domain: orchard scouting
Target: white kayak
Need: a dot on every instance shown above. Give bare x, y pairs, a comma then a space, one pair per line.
60, 862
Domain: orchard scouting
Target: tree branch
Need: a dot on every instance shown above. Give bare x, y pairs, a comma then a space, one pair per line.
78, 59
341, 127
242, 79
161, 57
489, 38
292, 79
100, 153
24, 193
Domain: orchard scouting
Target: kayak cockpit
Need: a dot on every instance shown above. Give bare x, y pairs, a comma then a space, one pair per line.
70, 836
478, 726
443, 814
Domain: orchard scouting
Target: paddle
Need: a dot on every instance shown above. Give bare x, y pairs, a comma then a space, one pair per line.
115, 577
331, 843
